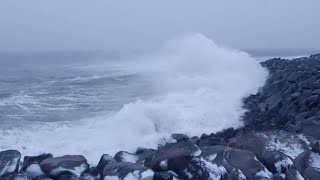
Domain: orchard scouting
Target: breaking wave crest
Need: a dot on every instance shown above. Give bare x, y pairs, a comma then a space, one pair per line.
199, 87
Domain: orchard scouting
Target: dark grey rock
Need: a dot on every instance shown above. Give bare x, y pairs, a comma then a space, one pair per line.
292, 88
121, 170
123, 156
233, 163
180, 137
144, 154
165, 175
73, 164
104, 160
68, 177
15, 176
87, 177
175, 154
308, 165
31, 165
275, 149
293, 174
9, 161
310, 126
182, 158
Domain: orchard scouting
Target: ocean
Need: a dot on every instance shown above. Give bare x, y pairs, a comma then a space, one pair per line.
92, 103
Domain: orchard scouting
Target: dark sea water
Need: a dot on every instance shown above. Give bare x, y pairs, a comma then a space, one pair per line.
63, 86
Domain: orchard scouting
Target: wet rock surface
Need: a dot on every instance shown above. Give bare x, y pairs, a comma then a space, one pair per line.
9, 161
279, 140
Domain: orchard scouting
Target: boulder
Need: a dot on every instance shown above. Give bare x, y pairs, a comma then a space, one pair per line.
308, 165
180, 137
121, 170
144, 154
226, 162
173, 156
9, 161
310, 126
165, 175
31, 165
67, 177
124, 156
87, 177
275, 149
104, 160
220, 138
16, 176
73, 164
293, 174
292, 88
182, 158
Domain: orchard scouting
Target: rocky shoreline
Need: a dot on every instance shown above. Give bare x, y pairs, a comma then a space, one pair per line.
280, 140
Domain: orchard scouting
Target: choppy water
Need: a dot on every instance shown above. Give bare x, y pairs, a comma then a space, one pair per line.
41, 91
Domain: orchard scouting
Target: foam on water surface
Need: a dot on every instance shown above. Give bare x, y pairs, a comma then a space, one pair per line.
199, 87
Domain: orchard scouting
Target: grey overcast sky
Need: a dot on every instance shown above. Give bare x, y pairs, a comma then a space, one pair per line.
32, 25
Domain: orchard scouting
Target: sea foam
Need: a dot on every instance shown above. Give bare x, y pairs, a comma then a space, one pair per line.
198, 89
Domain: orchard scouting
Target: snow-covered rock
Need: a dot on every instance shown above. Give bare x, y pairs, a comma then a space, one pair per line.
74, 164
127, 171
31, 165
275, 149
9, 161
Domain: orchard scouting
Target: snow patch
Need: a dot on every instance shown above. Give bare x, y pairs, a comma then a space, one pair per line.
289, 145
212, 157
111, 178
138, 175
76, 171
215, 171
262, 174
164, 164
10, 165
34, 170
241, 176
314, 161
285, 163
197, 152
127, 157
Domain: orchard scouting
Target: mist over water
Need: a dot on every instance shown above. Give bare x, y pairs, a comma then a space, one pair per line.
191, 85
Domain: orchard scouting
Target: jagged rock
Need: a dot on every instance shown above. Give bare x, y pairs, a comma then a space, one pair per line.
75, 164
124, 156
121, 170
291, 89
174, 154
104, 160
310, 126
220, 138
180, 158
68, 177
16, 176
87, 177
226, 162
31, 165
279, 176
43, 178
165, 175
308, 165
293, 174
180, 137
74, 177
275, 149
9, 161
